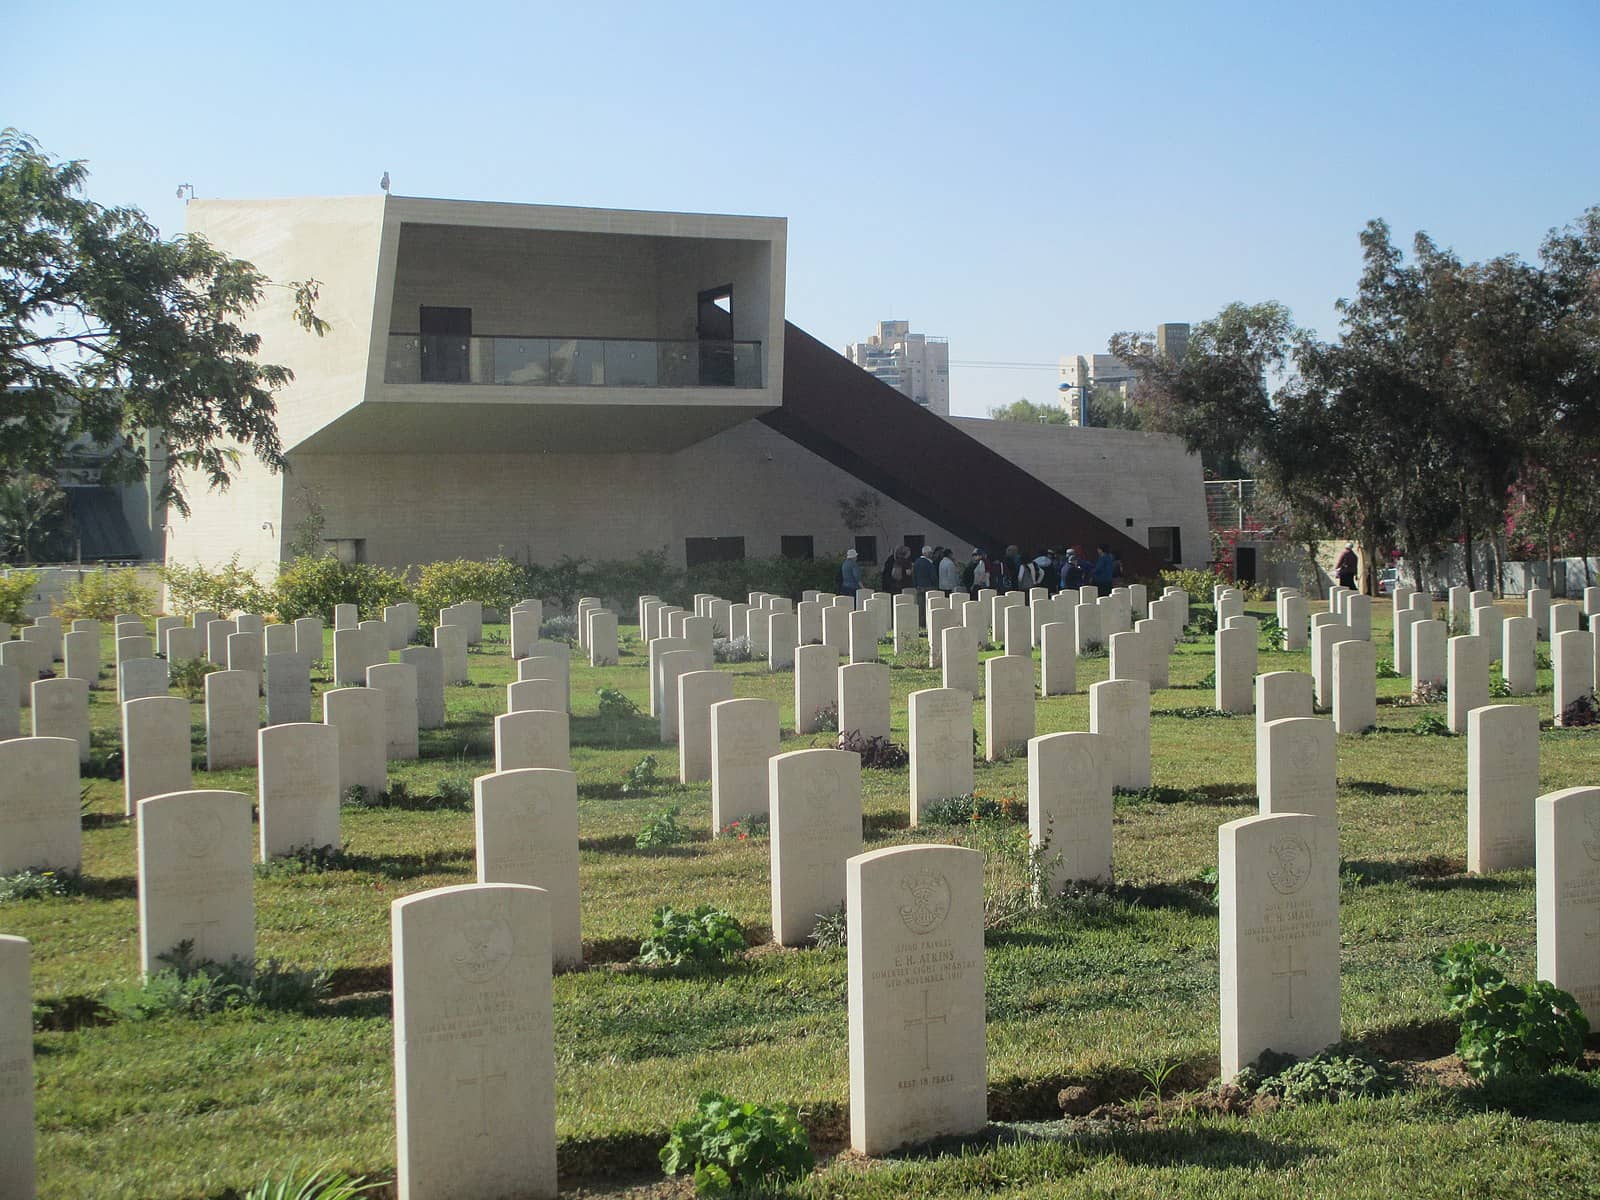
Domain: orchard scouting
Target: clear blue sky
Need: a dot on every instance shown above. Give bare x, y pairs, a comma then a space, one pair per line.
1022, 179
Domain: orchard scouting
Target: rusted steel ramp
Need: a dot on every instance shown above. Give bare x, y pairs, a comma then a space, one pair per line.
858, 423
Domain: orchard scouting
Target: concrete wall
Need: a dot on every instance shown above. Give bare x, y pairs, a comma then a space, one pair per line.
1129, 480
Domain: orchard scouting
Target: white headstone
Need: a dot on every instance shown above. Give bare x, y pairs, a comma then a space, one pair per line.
346, 616
1235, 659
451, 642
288, 686
1572, 655
1120, 709
1069, 808
659, 648
1281, 694
195, 877
298, 787
141, 646
671, 665
744, 734
308, 638
474, 1043
1355, 686
1563, 618
140, 677
781, 641
1296, 767
1539, 610
1467, 679
526, 822
1358, 616
958, 655
82, 652
603, 648
40, 821
278, 638
1429, 660
428, 663
864, 699
1502, 785
1090, 635
358, 715
1278, 900
525, 623
10, 702
816, 686
1008, 705
398, 683
1296, 621
1404, 619
1324, 638
941, 746
548, 661
156, 755
184, 644
863, 637
351, 657
1567, 893
1518, 654
532, 739
697, 692
217, 635
61, 709
17, 1168
815, 829
1488, 622
233, 714
918, 1060
527, 695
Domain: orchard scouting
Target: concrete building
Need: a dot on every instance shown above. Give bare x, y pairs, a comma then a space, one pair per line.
536, 381
1081, 374
914, 364
1172, 340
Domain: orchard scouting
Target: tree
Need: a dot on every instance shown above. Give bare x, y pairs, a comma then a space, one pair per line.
1026, 410
108, 330
33, 510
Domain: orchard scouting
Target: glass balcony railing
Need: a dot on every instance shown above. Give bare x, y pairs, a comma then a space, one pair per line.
571, 362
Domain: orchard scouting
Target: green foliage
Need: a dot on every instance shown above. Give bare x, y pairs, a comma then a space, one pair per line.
1338, 1073
1033, 414
732, 650
226, 589
1499, 689
661, 829
964, 810
1584, 710
16, 589
641, 776
1272, 634
310, 587
738, 1147
189, 676
498, 583
36, 885
324, 1183
1196, 582
832, 931
304, 860
108, 330
877, 753
750, 827
1386, 669
1013, 868
615, 705
1432, 724
451, 792
826, 718
101, 595
1506, 1029
701, 937
190, 986
35, 522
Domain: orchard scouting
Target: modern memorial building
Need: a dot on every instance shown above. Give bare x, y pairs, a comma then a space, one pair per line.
533, 381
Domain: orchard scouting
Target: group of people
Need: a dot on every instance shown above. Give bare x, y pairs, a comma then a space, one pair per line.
938, 569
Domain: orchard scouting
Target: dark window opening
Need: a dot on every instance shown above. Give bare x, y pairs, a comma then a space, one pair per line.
1244, 565
714, 326
446, 336
1164, 541
795, 545
697, 550
867, 548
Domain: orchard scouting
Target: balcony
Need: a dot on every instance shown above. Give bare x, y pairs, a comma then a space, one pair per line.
572, 362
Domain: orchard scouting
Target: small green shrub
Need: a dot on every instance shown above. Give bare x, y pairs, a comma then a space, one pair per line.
1272, 634
832, 930
226, 589
312, 586
751, 827
498, 583
101, 595
964, 810
189, 676
190, 986
826, 718
37, 885
1198, 583
738, 1147
304, 860
1386, 669
1433, 725
641, 776
1338, 1073
16, 589
1202, 622
701, 937
322, 1184
1506, 1029
732, 650
1499, 689
661, 829
616, 706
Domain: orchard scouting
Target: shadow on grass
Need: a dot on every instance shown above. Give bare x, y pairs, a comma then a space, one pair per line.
1222, 794
1565, 1096
410, 866
109, 887
1414, 871
616, 733
873, 824
1378, 787
1160, 1147
104, 820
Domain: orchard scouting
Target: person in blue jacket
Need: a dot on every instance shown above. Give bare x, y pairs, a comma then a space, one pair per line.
850, 575
1105, 570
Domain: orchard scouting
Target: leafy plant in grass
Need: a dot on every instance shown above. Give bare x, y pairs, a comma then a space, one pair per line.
616, 707
731, 1146
878, 753
832, 930
39, 885
661, 830
322, 1184
1013, 868
560, 629
1341, 1072
641, 776
189, 676
1506, 1029
1499, 689
1272, 634
1386, 669
970, 808
751, 827
304, 860
699, 937
101, 595
732, 650
1433, 725
826, 718
190, 986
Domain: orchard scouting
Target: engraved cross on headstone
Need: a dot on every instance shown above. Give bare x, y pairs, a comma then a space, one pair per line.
1288, 975
926, 1021
482, 1082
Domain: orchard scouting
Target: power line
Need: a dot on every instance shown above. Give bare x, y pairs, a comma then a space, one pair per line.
1009, 366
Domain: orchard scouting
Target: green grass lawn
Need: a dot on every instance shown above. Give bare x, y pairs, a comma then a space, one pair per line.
1090, 992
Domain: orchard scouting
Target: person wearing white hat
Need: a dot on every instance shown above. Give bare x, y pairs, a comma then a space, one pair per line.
850, 574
